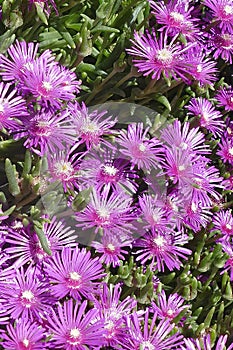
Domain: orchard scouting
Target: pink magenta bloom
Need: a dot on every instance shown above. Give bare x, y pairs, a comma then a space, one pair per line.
111, 249
223, 221
11, 107
153, 212
222, 44
25, 245
209, 117
201, 68
25, 336
46, 132
205, 343
150, 336
222, 12
158, 57
227, 247
163, 248
185, 138
169, 307
176, 17
226, 151
74, 329
109, 210
141, 150
26, 296
225, 98
74, 273
49, 83
90, 126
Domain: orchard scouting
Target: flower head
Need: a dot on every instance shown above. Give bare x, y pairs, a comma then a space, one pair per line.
222, 12
74, 273
169, 308
225, 98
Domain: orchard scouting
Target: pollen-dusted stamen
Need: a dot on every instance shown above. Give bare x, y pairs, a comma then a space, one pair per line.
74, 337
165, 56
110, 170
228, 10
159, 241
46, 85
111, 247
178, 17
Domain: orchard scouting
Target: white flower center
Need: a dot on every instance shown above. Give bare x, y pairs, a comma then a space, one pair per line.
184, 145
63, 167
27, 294
142, 147
111, 247
178, 17
165, 56
103, 213
193, 207
75, 333
228, 9
75, 276
181, 167
159, 241
231, 151
46, 85
147, 345
90, 128
228, 226
26, 343
110, 170
199, 68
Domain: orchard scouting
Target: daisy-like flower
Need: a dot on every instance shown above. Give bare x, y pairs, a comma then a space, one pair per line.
46, 131
25, 246
112, 312
222, 12
25, 335
201, 67
48, 83
107, 210
72, 328
223, 221
227, 248
154, 212
159, 57
150, 336
185, 138
63, 166
142, 151
163, 248
204, 343
209, 117
105, 168
221, 42
90, 126
175, 16
112, 249
11, 107
169, 308
21, 54
195, 215
226, 151
225, 98
26, 296
74, 273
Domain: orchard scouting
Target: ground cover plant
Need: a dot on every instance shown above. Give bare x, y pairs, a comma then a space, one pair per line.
116, 157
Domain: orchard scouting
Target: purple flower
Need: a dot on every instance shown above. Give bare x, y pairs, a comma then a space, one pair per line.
152, 336
158, 57
142, 151
223, 221
73, 329
24, 336
11, 107
228, 249
105, 168
112, 312
175, 16
46, 132
111, 250
64, 166
222, 12
209, 117
90, 126
169, 308
26, 295
201, 67
74, 272
195, 215
154, 212
107, 210
26, 247
221, 42
163, 248
49, 83
226, 151
205, 343
185, 138
225, 98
